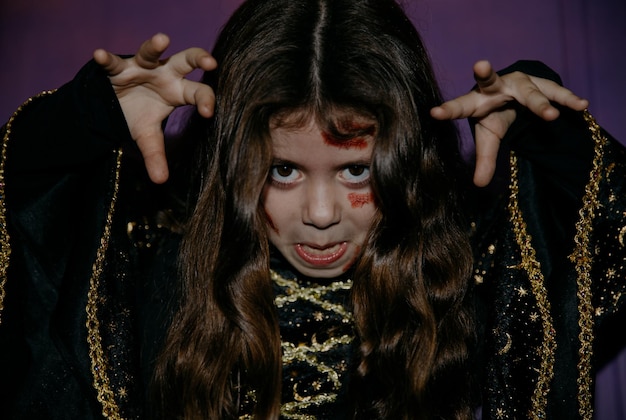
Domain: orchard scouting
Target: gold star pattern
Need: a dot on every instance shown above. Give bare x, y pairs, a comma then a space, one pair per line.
313, 352
500, 413
616, 298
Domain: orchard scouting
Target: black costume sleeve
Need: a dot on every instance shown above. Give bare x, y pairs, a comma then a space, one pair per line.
92, 256
549, 253
60, 157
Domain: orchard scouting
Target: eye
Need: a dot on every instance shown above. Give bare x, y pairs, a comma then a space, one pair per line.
284, 174
356, 175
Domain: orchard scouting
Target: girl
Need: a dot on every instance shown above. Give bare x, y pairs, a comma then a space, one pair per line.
321, 248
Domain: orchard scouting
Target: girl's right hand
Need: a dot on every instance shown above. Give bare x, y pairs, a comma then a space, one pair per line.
149, 88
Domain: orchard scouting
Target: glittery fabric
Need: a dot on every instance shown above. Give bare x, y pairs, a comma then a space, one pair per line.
48, 371
316, 339
538, 363
314, 318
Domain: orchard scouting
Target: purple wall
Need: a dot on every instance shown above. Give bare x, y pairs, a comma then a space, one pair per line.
44, 42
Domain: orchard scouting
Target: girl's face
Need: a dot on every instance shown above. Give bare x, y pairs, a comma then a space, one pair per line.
318, 199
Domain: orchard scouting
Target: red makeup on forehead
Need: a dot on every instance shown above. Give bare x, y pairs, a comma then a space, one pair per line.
359, 200
354, 143
360, 130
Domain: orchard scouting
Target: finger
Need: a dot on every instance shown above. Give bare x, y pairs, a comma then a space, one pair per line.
152, 149
537, 102
150, 51
560, 94
473, 104
202, 97
112, 63
487, 146
487, 80
462, 107
190, 59
195, 93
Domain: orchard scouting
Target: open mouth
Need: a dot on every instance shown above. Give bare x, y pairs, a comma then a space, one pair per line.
321, 255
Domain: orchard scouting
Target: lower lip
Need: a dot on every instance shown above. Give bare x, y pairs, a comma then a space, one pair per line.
322, 258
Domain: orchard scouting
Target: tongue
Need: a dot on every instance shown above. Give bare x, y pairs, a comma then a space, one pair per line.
324, 251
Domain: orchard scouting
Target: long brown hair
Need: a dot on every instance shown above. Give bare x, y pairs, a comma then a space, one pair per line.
278, 57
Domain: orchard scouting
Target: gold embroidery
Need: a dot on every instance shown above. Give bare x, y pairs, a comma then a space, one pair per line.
312, 295
622, 233
99, 365
5, 246
500, 413
583, 259
96, 354
308, 353
533, 269
507, 346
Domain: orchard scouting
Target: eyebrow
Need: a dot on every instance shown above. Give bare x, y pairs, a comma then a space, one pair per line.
355, 142
358, 161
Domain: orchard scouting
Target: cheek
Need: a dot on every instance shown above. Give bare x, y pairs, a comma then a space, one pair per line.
270, 222
355, 257
270, 208
281, 211
359, 200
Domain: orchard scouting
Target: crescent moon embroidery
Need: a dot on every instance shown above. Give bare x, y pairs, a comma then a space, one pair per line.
507, 346
622, 233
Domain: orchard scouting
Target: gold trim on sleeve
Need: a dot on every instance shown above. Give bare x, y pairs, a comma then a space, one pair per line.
5, 246
582, 258
533, 269
99, 365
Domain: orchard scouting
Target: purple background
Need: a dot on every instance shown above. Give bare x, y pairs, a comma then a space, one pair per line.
44, 42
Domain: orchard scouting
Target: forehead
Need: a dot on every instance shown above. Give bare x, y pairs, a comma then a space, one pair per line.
345, 133
343, 121
337, 128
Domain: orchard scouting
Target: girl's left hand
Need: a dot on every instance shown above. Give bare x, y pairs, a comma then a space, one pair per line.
488, 104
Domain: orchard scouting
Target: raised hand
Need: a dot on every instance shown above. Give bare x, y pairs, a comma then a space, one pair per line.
489, 104
149, 88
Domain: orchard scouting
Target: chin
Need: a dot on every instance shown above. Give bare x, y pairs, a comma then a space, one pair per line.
320, 273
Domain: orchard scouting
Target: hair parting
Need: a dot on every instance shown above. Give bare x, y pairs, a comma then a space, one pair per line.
358, 67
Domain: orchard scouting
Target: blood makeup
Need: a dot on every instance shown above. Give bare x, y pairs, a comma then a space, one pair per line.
318, 197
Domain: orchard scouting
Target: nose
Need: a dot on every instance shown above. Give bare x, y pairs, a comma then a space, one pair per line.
321, 208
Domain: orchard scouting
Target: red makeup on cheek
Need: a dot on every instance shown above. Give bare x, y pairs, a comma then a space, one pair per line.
271, 223
359, 200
